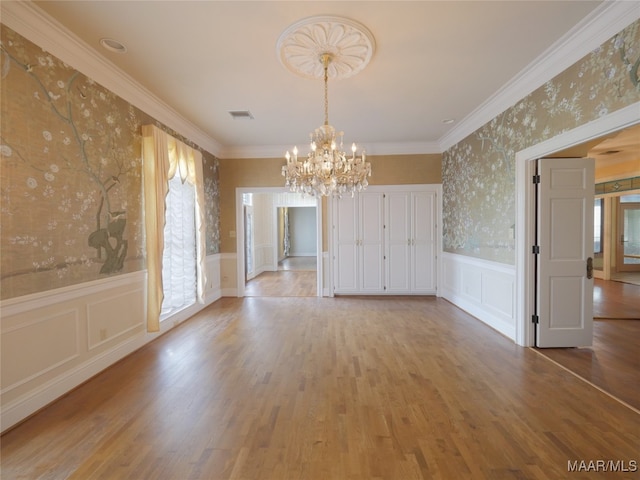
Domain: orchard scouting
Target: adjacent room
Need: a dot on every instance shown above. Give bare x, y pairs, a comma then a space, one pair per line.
202, 278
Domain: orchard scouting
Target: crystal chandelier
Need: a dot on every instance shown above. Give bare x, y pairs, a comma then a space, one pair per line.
327, 169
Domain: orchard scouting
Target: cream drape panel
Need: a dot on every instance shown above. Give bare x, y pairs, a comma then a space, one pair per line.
163, 157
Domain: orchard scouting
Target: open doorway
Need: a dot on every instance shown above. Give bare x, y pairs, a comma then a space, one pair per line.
611, 363
525, 202
297, 253
279, 247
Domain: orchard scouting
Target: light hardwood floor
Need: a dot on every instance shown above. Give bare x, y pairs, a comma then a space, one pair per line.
613, 361
327, 388
296, 277
616, 300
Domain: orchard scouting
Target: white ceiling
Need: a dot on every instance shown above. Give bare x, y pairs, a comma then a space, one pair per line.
433, 61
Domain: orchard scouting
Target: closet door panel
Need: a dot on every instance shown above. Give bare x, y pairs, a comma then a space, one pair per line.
372, 242
398, 237
423, 278
346, 245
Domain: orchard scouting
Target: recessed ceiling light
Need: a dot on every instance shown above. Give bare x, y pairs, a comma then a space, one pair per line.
113, 45
448, 121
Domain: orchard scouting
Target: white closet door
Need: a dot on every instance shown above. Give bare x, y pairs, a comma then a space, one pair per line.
398, 236
371, 242
423, 242
346, 241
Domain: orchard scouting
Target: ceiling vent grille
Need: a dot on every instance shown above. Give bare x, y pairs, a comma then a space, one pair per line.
241, 115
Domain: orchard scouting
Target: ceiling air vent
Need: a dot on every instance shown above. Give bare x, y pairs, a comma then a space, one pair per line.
241, 115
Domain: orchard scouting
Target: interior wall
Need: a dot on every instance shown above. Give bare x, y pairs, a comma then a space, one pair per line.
71, 194
280, 226
266, 172
303, 231
263, 234
71, 176
479, 171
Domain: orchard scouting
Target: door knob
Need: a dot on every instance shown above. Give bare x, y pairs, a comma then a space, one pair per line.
589, 268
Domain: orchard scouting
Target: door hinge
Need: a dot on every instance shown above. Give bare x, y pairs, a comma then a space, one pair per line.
535, 319
536, 179
535, 249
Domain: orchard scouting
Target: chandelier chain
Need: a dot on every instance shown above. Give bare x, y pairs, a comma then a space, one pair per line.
325, 60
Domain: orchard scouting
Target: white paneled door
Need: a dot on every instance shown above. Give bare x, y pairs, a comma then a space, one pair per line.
398, 242
385, 241
371, 242
423, 242
346, 236
564, 284
411, 242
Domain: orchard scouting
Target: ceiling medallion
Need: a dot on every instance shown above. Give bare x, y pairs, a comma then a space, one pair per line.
350, 44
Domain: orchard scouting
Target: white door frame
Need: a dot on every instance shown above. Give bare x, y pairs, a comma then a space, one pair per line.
240, 283
525, 202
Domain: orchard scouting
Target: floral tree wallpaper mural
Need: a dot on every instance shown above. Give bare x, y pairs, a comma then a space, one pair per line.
478, 173
71, 195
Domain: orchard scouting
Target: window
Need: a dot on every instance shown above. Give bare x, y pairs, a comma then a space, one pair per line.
179, 255
172, 177
598, 225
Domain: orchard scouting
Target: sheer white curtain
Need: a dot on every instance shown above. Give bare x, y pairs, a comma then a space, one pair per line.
163, 158
179, 255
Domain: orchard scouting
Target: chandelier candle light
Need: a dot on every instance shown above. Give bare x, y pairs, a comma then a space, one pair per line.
327, 169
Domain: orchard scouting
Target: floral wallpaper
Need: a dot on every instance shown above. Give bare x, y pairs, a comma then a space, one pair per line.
478, 173
70, 184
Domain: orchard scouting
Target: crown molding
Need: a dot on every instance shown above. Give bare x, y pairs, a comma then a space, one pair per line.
278, 151
605, 21
608, 19
37, 26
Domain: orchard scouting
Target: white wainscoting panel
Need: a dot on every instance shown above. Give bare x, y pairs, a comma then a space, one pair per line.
229, 271
213, 290
482, 288
113, 316
28, 350
53, 341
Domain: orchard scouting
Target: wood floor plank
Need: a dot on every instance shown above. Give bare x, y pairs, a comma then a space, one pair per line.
326, 388
616, 300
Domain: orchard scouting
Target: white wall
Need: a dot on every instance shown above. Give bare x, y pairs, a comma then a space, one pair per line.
263, 234
303, 231
53, 341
